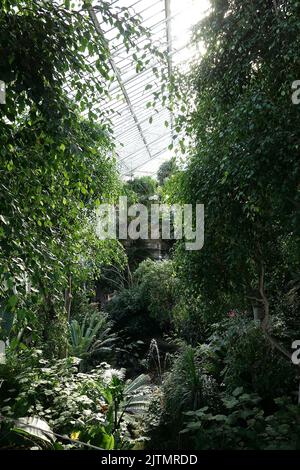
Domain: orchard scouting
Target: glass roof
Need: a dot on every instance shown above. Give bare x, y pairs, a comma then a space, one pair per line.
141, 147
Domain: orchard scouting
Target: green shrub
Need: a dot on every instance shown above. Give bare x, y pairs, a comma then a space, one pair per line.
156, 285
188, 385
94, 407
248, 360
192, 320
145, 309
129, 315
242, 424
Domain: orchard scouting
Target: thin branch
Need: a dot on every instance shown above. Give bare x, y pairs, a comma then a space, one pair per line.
266, 320
275, 7
265, 324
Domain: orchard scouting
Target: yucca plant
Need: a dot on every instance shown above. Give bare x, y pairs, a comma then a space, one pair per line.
92, 336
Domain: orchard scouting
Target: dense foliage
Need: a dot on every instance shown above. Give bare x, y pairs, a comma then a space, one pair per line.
205, 337
57, 166
240, 293
245, 167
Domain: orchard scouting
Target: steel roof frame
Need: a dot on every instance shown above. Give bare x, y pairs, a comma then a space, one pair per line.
129, 118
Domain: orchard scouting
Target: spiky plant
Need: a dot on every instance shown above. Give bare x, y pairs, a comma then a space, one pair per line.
92, 336
137, 394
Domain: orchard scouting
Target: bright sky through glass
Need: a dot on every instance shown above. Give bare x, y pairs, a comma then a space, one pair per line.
142, 134
185, 14
190, 13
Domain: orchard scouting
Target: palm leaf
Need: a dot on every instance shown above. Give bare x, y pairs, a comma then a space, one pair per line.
36, 428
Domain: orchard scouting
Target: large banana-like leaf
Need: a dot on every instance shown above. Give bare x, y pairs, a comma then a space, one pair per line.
35, 428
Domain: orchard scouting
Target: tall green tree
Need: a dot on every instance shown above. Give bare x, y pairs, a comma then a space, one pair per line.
245, 166
166, 170
57, 158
